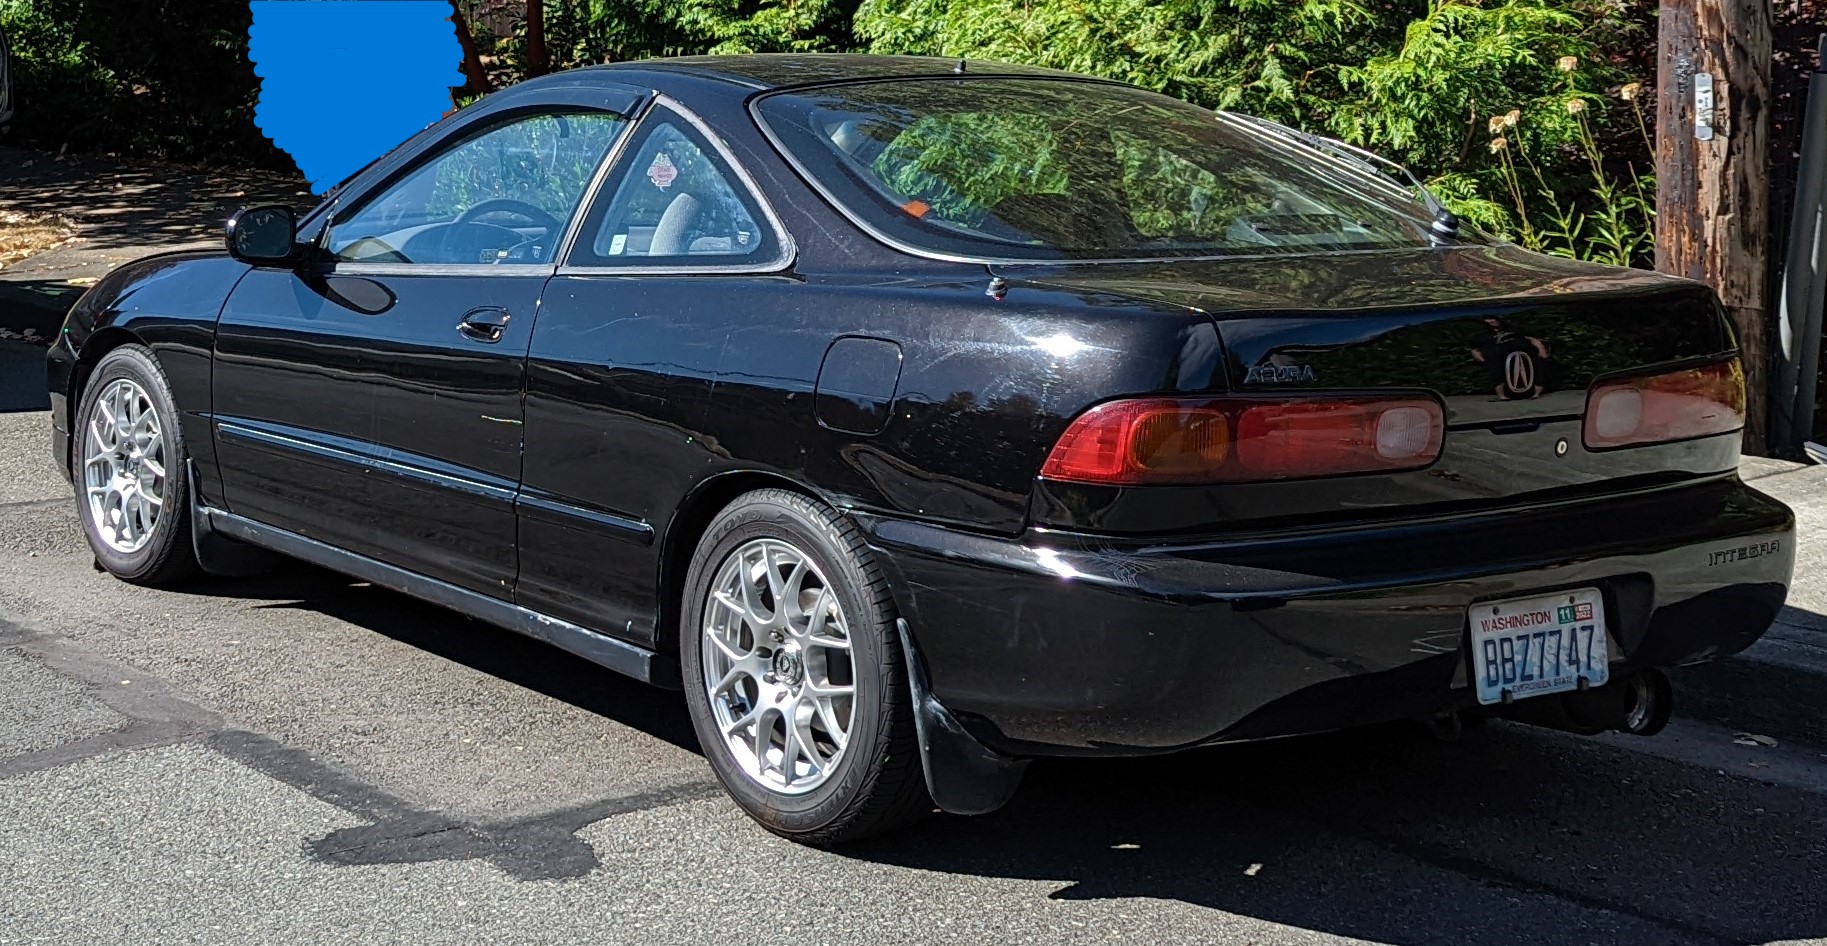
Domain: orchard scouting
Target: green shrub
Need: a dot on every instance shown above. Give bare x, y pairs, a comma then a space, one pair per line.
168, 80
1476, 95
1418, 80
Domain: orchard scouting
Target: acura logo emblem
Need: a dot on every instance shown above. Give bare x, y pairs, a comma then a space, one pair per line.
1519, 373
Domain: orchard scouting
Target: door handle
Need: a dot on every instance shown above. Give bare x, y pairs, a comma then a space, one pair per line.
484, 324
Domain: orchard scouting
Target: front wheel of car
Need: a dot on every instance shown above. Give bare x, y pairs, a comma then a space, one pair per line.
794, 674
127, 456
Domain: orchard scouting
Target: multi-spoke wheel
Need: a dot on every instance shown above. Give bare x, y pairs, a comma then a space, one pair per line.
777, 666
794, 674
127, 456
124, 468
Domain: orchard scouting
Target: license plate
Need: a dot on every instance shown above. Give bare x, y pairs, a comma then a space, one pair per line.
1527, 647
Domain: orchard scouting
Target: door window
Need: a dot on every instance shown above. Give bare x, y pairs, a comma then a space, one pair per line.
503, 197
677, 201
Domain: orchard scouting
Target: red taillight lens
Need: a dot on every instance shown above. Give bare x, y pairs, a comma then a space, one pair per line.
1659, 408
1142, 441
1175, 440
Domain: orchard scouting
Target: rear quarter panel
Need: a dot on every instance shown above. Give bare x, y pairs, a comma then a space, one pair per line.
987, 384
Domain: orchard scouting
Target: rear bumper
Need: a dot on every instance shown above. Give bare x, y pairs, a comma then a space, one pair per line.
1057, 644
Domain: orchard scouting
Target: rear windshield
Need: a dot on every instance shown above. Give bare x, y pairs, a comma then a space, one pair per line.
1038, 169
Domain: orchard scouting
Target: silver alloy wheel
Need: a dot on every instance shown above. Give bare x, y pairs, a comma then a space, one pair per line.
124, 466
778, 667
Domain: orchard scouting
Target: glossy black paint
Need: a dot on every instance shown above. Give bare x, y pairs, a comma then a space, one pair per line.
1405, 321
170, 303
1070, 643
424, 416
563, 470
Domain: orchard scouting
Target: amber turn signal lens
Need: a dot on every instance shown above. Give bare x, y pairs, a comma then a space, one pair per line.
1661, 408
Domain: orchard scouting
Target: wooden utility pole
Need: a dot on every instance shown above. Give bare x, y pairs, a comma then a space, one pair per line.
1712, 169
539, 59
473, 70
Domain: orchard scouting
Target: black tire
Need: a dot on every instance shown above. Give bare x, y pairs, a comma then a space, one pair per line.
167, 556
877, 784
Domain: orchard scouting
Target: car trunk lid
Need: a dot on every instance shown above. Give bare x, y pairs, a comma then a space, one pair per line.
1500, 334
1509, 340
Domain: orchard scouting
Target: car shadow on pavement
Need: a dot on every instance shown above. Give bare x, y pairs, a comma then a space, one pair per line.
480, 646
22, 378
32, 311
1511, 835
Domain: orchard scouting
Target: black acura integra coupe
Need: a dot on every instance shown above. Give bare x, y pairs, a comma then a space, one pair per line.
919, 418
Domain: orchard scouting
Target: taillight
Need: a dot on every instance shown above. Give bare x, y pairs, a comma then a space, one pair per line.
1145, 441
1659, 408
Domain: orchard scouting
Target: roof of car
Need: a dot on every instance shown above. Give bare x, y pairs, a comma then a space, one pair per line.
785, 70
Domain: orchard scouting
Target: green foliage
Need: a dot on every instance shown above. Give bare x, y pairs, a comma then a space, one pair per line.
1505, 104
1418, 80
1425, 102
1253, 55
588, 32
1470, 93
165, 79
787, 26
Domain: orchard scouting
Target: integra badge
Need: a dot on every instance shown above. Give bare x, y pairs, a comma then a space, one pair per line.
1279, 374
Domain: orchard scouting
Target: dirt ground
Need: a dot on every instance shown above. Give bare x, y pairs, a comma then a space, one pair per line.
22, 234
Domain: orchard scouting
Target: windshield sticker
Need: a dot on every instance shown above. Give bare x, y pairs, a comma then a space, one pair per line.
661, 172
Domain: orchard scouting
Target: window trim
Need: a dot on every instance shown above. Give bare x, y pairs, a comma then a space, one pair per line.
781, 261
483, 125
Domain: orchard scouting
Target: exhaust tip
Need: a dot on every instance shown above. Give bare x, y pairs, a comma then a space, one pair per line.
1650, 702
1638, 705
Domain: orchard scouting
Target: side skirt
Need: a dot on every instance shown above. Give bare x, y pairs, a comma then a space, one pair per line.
619, 656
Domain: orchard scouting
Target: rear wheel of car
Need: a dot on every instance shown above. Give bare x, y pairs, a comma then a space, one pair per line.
794, 673
128, 456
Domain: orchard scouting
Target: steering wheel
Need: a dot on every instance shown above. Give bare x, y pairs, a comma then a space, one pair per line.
519, 208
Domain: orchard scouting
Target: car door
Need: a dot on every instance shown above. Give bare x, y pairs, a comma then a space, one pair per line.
629, 338
372, 398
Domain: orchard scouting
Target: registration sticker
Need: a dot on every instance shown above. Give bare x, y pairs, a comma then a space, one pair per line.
1527, 647
662, 172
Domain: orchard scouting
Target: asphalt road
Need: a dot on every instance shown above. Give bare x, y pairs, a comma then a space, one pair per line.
301, 759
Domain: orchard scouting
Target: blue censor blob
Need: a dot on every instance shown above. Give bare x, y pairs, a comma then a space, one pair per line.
343, 81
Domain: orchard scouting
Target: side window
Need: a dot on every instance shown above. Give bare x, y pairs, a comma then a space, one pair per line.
502, 197
674, 201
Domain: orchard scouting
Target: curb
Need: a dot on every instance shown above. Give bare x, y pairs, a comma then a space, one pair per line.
1769, 689
1766, 690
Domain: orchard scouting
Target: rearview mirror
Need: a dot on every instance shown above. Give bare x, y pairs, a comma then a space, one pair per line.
262, 234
